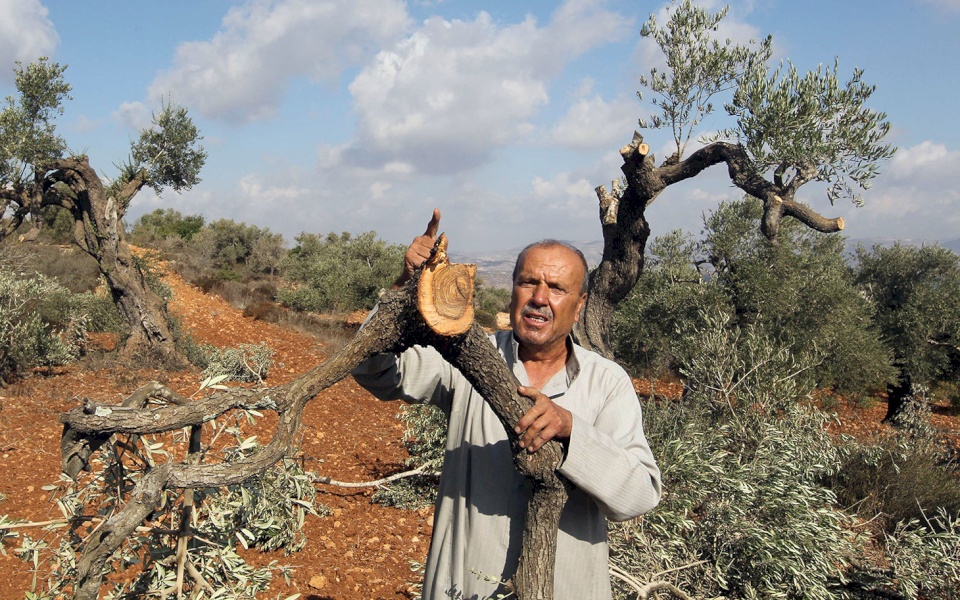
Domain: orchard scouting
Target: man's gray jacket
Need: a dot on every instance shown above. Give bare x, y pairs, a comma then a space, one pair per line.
482, 498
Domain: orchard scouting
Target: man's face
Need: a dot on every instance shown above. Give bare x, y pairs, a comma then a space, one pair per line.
546, 297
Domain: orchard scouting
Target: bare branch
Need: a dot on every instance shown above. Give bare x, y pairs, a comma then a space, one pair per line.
421, 470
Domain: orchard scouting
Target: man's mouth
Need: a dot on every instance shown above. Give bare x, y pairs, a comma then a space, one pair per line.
536, 316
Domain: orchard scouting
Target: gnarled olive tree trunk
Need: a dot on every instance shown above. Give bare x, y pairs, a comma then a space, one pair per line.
72, 184
625, 229
434, 308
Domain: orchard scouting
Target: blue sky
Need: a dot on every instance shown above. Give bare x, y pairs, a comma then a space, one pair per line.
337, 115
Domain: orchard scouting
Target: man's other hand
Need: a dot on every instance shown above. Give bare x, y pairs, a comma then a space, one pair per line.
544, 421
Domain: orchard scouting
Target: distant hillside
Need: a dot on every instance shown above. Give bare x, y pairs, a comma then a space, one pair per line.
495, 267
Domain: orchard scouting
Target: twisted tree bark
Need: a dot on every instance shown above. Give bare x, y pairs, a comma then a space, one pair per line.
434, 308
625, 228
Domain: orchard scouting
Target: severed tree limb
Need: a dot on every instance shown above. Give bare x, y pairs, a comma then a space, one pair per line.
644, 590
399, 323
421, 470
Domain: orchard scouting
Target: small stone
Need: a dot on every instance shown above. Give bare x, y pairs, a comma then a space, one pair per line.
318, 582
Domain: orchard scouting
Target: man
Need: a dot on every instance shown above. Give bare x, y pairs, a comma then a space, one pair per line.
582, 400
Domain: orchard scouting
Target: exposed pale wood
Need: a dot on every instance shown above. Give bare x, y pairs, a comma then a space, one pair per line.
445, 293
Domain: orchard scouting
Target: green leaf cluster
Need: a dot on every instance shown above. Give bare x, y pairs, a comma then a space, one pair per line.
339, 272
166, 223
245, 362
914, 292
41, 322
745, 515
698, 68
788, 122
800, 291
751, 472
169, 152
794, 128
232, 250
28, 121
425, 437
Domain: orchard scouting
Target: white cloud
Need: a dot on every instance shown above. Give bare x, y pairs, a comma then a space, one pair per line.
243, 72
133, 116
567, 196
450, 94
927, 160
913, 197
254, 191
25, 34
594, 124
85, 124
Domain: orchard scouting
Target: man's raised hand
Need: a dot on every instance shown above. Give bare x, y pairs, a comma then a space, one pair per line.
419, 250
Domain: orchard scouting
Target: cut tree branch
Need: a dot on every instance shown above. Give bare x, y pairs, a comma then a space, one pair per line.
400, 322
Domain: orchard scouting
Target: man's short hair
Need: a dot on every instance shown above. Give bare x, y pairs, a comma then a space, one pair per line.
551, 243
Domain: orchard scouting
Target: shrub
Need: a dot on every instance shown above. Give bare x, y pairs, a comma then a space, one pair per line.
488, 301
800, 291
745, 514
246, 362
914, 294
425, 437
925, 559
339, 272
58, 224
664, 305
101, 313
906, 475
165, 223
39, 323
230, 250
70, 267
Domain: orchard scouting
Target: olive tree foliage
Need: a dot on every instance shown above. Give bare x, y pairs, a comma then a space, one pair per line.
668, 301
165, 223
338, 272
914, 292
236, 250
37, 171
41, 322
800, 292
746, 516
785, 130
751, 510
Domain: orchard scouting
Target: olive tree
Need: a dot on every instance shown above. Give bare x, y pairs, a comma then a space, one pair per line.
800, 292
914, 292
786, 129
38, 171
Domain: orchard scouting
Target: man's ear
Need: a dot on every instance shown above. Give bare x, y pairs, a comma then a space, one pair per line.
580, 303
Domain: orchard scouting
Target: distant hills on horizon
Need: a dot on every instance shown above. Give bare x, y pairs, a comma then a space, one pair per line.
495, 267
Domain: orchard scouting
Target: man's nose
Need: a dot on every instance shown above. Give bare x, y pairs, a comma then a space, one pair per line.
540, 294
